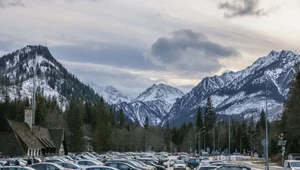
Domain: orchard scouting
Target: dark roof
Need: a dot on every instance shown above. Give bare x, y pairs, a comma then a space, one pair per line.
43, 135
57, 137
23, 131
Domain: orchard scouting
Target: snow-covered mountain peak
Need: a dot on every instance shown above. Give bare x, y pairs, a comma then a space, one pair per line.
111, 95
160, 92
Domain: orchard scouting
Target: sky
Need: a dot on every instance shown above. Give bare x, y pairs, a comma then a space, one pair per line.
132, 44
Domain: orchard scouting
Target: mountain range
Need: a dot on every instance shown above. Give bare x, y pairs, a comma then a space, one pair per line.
241, 94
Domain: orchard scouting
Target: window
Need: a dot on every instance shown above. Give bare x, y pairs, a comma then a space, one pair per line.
38, 167
90, 163
81, 163
112, 165
124, 167
50, 167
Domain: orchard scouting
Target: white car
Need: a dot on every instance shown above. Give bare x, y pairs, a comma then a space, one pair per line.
291, 165
16, 168
88, 163
179, 165
69, 165
47, 166
99, 168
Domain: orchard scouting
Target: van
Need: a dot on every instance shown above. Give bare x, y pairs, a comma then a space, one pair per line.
291, 165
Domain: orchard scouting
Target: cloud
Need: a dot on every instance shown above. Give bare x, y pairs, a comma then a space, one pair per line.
242, 8
12, 3
187, 51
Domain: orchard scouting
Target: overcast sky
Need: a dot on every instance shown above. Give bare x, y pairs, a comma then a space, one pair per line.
132, 44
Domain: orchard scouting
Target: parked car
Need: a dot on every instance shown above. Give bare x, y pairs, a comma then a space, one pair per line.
193, 162
69, 165
133, 164
179, 165
88, 162
235, 167
291, 164
16, 168
47, 166
208, 167
122, 166
99, 168
53, 160
158, 167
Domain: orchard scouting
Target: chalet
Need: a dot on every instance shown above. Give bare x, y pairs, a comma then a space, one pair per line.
27, 139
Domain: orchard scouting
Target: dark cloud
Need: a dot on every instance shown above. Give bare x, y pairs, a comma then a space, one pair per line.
186, 51
11, 3
242, 8
99, 53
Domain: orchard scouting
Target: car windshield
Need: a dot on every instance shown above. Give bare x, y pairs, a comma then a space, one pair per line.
179, 162
295, 164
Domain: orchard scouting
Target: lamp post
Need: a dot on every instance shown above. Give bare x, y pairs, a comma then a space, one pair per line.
199, 146
267, 149
251, 135
241, 143
204, 138
196, 141
171, 144
200, 140
229, 139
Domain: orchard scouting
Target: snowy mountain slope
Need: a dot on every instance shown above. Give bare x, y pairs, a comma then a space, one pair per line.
242, 93
17, 70
111, 95
155, 102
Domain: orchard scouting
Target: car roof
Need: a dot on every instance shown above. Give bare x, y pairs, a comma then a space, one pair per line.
94, 166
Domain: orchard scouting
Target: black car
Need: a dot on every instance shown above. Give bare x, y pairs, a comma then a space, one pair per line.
152, 163
193, 162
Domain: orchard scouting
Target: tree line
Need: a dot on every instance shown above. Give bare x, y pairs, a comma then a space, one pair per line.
110, 130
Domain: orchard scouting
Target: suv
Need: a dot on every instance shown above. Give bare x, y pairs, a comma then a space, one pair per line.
193, 162
291, 165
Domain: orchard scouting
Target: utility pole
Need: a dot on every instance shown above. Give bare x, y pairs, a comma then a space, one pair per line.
267, 149
251, 143
33, 90
241, 143
199, 143
171, 144
204, 140
214, 137
229, 139
282, 143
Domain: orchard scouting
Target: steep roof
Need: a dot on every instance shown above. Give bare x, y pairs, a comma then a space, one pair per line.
57, 137
43, 135
23, 131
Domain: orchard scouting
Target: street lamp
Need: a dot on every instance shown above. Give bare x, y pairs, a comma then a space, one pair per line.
241, 143
267, 149
199, 146
204, 138
171, 144
252, 145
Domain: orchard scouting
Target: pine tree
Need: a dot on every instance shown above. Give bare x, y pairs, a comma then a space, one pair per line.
209, 115
39, 116
75, 125
146, 124
199, 120
121, 119
102, 135
291, 117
